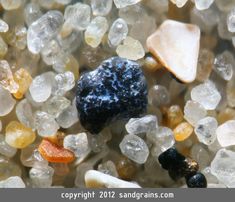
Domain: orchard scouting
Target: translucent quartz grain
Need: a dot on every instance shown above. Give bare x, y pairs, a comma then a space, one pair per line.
162, 139
41, 87
134, 148
6, 77
193, 112
109, 168
68, 117
231, 20
101, 7
23, 78
11, 4
31, 13
3, 48
183, 131
18, 135
223, 65
78, 144
117, 32
124, 3
45, 124
63, 83
130, 49
52, 52
226, 133
179, 3
4, 27
141, 125
6, 149
223, 167
60, 61
42, 30
95, 31
202, 4
205, 130
7, 102
12, 182
41, 177
205, 64
78, 16
25, 113
56, 105
207, 95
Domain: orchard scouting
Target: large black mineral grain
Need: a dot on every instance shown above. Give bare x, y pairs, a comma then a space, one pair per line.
117, 89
